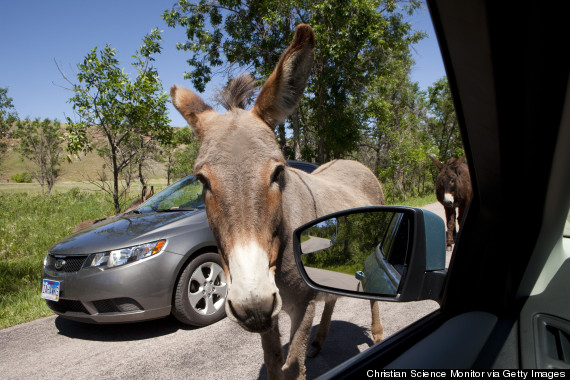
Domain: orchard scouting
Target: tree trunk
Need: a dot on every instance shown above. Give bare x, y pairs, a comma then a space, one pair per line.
281, 138
141, 162
116, 202
296, 135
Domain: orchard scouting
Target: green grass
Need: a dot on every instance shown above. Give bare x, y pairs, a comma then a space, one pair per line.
419, 201
29, 225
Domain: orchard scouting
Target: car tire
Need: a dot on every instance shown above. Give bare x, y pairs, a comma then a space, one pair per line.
201, 291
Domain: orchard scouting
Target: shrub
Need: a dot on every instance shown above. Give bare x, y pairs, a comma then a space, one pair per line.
24, 177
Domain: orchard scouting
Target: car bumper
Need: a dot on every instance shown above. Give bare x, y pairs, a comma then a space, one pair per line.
133, 292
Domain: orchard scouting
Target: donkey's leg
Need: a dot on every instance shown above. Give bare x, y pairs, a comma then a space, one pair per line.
301, 324
323, 329
272, 351
461, 213
377, 329
450, 216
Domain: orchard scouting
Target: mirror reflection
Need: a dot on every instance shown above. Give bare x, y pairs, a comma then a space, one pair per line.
363, 252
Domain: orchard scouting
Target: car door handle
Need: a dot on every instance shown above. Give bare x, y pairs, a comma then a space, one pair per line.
552, 343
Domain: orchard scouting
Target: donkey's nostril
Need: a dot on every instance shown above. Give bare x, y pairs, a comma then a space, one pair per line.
256, 316
239, 318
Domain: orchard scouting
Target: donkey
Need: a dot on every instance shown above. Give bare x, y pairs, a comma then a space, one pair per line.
254, 201
453, 190
145, 194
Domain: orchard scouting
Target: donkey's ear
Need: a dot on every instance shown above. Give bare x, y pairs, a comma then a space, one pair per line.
191, 106
436, 162
459, 161
281, 93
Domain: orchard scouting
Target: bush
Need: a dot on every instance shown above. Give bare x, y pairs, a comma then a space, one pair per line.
24, 177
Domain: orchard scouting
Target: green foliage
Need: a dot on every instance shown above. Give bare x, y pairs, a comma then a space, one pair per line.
442, 123
353, 238
40, 143
354, 41
180, 154
29, 226
8, 116
24, 177
184, 159
131, 114
395, 139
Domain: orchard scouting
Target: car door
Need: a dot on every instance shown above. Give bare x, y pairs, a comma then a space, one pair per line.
506, 302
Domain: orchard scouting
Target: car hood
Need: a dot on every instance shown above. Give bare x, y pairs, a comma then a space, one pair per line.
128, 230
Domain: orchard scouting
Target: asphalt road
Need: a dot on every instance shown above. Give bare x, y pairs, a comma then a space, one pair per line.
53, 347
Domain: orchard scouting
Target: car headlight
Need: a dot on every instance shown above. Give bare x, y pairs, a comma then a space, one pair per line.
117, 257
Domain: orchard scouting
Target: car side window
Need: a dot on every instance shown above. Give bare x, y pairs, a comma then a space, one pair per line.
394, 246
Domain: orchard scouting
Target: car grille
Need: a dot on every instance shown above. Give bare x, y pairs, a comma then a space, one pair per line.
66, 264
63, 306
117, 305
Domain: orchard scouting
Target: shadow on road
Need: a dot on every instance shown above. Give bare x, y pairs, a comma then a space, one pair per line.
119, 332
341, 344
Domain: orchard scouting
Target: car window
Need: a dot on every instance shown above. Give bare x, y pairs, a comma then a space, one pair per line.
395, 244
183, 195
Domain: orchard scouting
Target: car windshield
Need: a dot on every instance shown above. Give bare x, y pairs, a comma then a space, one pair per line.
183, 195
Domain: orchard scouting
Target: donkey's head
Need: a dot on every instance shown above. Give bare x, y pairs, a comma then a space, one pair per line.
243, 173
448, 180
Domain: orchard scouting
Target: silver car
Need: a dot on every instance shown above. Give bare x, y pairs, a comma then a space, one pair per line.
158, 259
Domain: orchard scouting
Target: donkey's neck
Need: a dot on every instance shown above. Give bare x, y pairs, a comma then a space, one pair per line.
300, 204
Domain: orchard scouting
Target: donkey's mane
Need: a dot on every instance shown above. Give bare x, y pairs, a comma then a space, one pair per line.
238, 93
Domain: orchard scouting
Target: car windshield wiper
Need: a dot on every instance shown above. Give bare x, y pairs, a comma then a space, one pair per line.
173, 209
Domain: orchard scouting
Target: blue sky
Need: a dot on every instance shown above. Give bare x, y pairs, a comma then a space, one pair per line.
36, 34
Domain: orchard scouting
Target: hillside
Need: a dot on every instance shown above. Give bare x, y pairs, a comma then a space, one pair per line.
79, 170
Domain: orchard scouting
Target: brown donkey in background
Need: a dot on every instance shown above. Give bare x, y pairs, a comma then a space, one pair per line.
254, 201
453, 190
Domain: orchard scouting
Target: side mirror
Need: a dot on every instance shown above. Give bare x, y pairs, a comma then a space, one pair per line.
390, 253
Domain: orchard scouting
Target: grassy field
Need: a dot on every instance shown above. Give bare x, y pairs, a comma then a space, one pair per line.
29, 226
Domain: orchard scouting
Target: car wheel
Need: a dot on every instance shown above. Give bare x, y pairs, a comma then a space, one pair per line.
201, 291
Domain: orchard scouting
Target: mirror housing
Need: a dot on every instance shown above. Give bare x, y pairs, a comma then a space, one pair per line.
388, 253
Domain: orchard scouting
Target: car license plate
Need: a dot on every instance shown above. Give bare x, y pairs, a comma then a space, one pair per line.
50, 290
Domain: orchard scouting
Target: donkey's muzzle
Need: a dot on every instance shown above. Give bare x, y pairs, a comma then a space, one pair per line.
448, 200
254, 316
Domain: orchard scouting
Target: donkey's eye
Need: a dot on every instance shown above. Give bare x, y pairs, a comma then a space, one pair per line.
277, 176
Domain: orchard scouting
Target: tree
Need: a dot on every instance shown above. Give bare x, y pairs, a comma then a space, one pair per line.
395, 133
181, 154
8, 116
442, 122
40, 143
354, 39
130, 115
